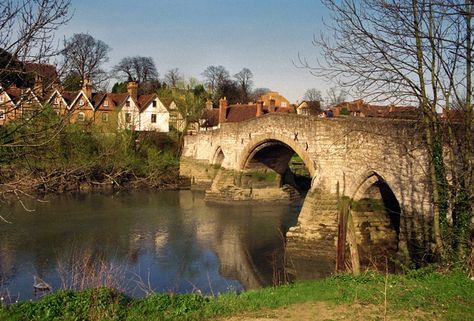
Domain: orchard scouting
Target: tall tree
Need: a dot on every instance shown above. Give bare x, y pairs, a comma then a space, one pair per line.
84, 55
215, 76
420, 52
335, 95
313, 94
245, 81
173, 77
189, 105
140, 69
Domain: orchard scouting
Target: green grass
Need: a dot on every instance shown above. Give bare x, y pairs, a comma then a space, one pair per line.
448, 296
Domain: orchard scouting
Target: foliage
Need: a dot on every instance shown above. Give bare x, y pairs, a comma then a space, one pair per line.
344, 111
189, 105
439, 295
72, 81
119, 87
75, 153
263, 175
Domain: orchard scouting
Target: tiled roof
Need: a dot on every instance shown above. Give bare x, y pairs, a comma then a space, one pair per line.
69, 96
210, 118
15, 93
117, 99
238, 113
144, 100
96, 99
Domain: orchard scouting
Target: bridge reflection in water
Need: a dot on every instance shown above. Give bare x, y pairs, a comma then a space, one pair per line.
166, 241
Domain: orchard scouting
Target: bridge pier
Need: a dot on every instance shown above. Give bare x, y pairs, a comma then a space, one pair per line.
311, 245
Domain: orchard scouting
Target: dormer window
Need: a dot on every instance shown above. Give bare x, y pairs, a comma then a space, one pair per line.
106, 103
154, 103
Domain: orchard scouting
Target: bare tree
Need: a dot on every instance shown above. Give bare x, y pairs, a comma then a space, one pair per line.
138, 68
245, 81
84, 55
419, 52
215, 76
173, 77
313, 94
335, 96
27, 32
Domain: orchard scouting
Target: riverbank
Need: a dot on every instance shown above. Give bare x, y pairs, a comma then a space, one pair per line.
78, 160
418, 295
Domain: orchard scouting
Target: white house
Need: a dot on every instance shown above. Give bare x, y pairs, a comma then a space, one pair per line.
153, 114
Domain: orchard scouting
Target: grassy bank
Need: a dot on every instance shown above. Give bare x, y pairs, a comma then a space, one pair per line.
431, 295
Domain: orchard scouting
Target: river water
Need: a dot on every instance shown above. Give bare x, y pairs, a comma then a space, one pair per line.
141, 241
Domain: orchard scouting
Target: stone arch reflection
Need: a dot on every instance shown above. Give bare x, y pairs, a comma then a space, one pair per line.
374, 228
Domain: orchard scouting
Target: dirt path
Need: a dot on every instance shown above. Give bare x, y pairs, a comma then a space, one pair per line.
322, 311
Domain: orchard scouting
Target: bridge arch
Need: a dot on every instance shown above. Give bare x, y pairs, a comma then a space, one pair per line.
374, 224
218, 156
259, 142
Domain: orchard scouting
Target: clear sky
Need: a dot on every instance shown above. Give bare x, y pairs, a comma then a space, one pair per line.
262, 35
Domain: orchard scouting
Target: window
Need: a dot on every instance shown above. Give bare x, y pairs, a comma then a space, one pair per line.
81, 116
154, 103
106, 103
128, 117
153, 118
57, 100
81, 102
127, 103
2, 113
105, 117
1, 98
283, 104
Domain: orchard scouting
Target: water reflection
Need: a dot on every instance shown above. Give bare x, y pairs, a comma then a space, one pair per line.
161, 241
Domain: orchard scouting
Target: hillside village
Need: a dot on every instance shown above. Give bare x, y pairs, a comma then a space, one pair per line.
147, 113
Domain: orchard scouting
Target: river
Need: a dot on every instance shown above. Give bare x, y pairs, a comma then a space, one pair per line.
139, 242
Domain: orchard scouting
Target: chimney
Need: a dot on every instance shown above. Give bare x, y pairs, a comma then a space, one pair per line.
259, 108
87, 87
209, 104
271, 107
38, 88
222, 110
132, 88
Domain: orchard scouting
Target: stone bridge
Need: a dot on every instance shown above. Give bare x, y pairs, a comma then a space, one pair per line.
369, 195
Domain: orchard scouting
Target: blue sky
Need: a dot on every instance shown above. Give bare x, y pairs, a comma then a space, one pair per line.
262, 35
